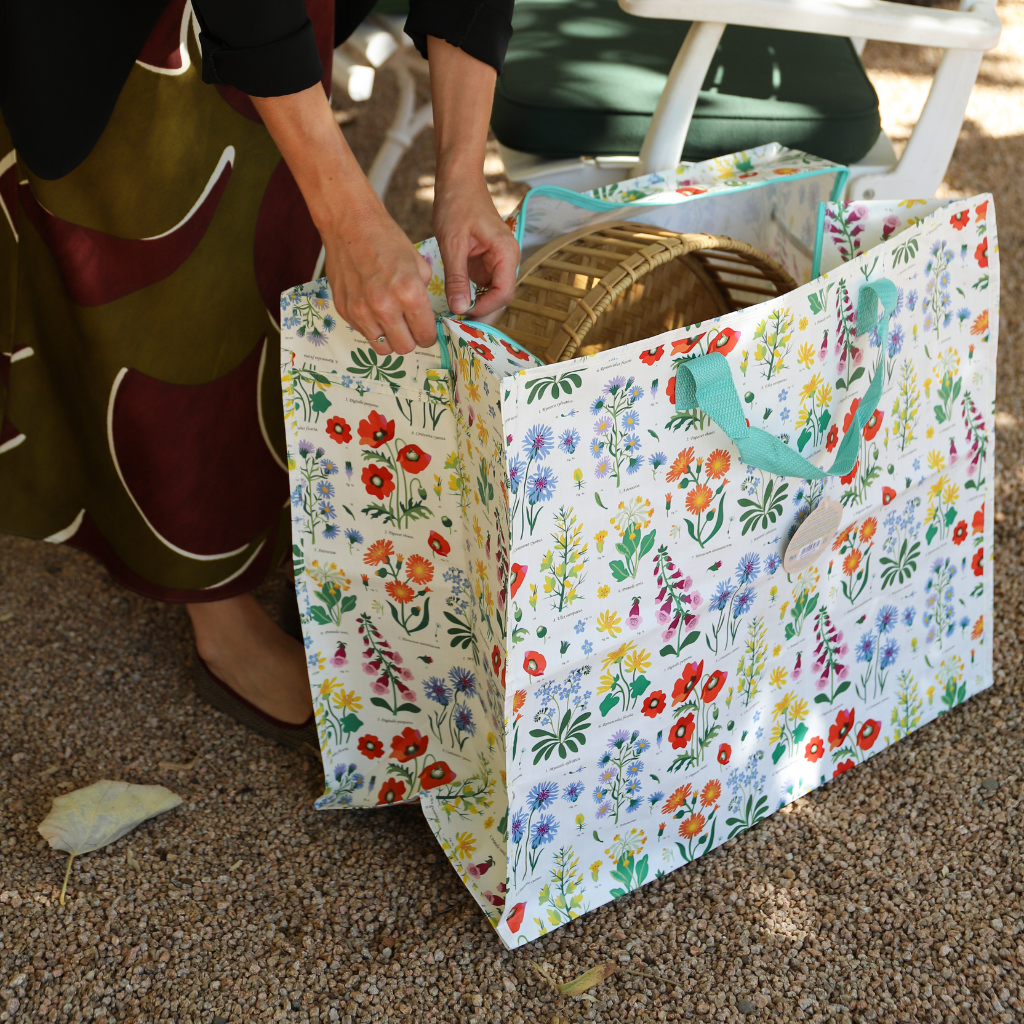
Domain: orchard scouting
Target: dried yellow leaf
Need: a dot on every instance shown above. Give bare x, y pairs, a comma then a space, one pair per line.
602, 972
97, 815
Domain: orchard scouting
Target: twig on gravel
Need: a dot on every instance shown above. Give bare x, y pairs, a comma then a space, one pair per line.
180, 766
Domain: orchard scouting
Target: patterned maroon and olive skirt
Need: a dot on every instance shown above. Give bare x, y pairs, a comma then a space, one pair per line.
140, 406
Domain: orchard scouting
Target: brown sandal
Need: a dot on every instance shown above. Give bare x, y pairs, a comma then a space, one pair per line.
301, 738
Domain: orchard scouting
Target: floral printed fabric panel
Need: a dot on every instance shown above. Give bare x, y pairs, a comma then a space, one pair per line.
668, 684
851, 229
768, 197
777, 215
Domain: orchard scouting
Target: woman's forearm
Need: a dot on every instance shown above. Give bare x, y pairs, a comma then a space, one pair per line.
327, 173
462, 89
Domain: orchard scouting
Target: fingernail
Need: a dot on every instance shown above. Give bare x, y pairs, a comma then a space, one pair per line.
458, 303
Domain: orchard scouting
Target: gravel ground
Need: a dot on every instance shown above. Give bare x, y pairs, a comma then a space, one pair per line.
892, 894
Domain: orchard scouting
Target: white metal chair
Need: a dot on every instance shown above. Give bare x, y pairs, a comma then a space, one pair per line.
964, 35
380, 40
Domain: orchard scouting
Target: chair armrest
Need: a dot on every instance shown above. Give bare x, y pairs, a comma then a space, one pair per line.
977, 28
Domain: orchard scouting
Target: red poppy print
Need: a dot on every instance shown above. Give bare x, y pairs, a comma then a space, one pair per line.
534, 663
980, 211
872, 425
978, 522
724, 341
981, 253
339, 430
868, 733
515, 919
960, 532
670, 391
814, 749
376, 430
371, 747
843, 766
412, 458
848, 418
724, 753
391, 792
849, 476
713, 686
652, 355
680, 733
691, 190
654, 704
436, 774
977, 566
515, 353
517, 577
438, 544
837, 733
481, 350
960, 220
888, 494
833, 438
378, 481
687, 681
496, 659
408, 745
687, 345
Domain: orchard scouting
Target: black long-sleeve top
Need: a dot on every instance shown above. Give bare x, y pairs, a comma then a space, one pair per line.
63, 62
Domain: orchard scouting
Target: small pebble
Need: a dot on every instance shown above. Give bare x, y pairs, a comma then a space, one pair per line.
746, 1005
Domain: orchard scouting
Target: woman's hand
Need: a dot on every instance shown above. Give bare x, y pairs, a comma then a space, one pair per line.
377, 278
476, 245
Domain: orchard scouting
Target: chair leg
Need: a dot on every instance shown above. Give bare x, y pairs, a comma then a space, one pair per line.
408, 122
663, 143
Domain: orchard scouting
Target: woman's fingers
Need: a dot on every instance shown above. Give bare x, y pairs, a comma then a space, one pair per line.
503, 264
456, 273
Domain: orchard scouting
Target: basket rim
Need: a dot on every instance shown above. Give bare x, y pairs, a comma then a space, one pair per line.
663, 246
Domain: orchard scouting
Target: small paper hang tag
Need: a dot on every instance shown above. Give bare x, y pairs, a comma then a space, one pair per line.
814, 536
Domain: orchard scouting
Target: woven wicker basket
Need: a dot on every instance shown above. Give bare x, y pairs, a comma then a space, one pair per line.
610, 285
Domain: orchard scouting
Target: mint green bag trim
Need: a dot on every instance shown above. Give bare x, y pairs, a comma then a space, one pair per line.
819, 242
586, 202
486, 328
706, 383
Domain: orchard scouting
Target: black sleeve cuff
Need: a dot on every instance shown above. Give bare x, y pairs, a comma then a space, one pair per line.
482, 28
278, 68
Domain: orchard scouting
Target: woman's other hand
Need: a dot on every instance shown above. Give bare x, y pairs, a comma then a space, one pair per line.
476, 244
377, 277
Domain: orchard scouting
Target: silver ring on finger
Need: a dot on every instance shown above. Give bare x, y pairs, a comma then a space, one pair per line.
382, 340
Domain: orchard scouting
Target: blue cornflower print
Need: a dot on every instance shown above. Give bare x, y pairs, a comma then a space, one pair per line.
539, 441
866, 647
542, 486
543, 795
568, 441
464, 720
515, 474
463, 681
572, 792
748, 569
436, 691
544, 830
518, 827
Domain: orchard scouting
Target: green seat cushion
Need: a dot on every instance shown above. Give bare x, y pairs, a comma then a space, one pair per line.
582, 78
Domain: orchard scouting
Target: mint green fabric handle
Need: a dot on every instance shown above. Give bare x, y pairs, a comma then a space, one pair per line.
706, 383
